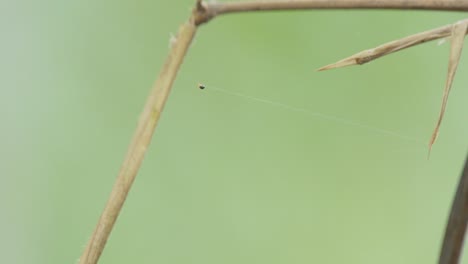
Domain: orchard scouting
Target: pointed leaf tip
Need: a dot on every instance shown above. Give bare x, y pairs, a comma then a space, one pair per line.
339, 64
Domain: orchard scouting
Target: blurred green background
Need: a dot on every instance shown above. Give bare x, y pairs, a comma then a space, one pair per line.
226, 179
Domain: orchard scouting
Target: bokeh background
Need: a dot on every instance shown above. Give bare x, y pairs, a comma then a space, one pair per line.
226, 179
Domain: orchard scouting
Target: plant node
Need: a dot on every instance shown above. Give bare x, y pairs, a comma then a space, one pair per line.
202, 13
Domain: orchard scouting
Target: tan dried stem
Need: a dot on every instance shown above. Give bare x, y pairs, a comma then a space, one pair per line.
141, 139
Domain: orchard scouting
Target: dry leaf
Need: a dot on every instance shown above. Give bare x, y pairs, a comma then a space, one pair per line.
458, 37
393, 46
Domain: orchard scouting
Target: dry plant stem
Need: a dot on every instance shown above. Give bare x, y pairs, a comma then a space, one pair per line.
214, 9
141, 139
456, 226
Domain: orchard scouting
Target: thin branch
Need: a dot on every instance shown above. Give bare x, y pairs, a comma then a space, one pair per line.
456, 225
215, 9
141, 139
393, 46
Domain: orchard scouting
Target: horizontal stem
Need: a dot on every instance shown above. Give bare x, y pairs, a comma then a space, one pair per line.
259, 5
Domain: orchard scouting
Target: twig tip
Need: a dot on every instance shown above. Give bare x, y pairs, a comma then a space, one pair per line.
342, 63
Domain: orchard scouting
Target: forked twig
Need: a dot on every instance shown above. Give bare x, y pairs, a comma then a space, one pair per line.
457, 34
456, 226
203, 12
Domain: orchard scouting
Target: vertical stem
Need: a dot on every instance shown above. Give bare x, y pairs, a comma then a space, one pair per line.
456, 226
141, 139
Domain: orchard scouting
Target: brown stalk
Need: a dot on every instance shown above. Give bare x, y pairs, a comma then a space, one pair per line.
248, 6
215, 9
456, 225
153, 108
